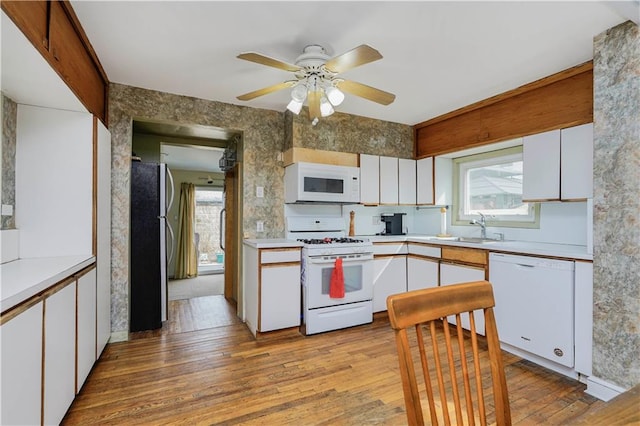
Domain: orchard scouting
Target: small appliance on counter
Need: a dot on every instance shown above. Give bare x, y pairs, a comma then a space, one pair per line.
392, 223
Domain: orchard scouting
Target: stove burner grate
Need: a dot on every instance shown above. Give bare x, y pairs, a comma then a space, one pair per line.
342, 240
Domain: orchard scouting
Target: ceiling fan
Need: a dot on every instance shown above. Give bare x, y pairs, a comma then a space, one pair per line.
316, 79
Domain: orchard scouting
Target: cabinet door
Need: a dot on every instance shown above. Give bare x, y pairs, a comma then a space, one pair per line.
456, 274
59, 353
103, 254
407, 181
279, 297
576, 162
388, 180
583, 317
21, 365
389, 277
421, 273
369, 179
86, 325
541, 166
424, 181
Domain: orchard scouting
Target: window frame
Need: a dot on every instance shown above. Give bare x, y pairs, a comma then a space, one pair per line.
461, 164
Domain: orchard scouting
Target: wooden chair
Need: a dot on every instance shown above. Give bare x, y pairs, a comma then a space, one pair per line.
457, 368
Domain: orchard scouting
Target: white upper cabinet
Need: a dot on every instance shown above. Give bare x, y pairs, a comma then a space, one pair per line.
406, 181
576, 162
424, 181
541, 167
369, 179
558, 165
388, 180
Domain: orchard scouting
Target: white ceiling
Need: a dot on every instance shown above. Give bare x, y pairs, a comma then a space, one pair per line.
438, 56
196, 158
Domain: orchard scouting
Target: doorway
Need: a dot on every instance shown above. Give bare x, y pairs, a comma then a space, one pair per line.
193, 154
209, 230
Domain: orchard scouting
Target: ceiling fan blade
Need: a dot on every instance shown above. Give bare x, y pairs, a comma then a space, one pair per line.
270, 62
361, 55
314, 104
266, 90
367, 92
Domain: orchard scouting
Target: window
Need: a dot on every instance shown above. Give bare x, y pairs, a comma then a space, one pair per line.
491, 184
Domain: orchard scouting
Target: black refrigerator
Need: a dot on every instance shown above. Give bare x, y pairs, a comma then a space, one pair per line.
150, 235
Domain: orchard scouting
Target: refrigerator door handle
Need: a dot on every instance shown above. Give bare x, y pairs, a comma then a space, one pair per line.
172, 241
172, 190
222, 214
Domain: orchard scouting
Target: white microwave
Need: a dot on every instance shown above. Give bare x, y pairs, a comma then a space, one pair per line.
323, 183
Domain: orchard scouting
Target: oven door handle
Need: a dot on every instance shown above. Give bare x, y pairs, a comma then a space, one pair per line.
345, 259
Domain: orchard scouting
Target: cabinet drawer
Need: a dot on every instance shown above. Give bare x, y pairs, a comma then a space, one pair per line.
465, 255
425, 250
389, 248
280, 255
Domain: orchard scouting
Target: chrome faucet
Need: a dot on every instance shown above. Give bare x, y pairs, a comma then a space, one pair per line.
483, 225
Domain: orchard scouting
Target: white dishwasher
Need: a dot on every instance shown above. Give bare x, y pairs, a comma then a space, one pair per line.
534, 304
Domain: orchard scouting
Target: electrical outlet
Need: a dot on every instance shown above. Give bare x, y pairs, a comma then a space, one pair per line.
7, 210
259, 226
259, 191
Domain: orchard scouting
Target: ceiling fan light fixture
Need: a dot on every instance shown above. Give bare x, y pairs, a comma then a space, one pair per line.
334, 95
299, 93
325, 107
294, 106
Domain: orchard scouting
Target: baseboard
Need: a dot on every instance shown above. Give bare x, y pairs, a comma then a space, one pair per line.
119, 336
601, 389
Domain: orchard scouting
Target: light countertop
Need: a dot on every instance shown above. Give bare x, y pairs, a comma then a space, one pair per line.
567, 251
272, 243
24, 278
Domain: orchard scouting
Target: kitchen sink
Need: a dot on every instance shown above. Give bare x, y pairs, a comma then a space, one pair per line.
478, 240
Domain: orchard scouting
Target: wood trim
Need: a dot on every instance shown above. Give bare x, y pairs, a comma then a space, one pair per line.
66, 5
309, 155
465, 255
54, 30
42, 362
279, 264
561, 100
436, 245
378, 256
421, 257
14, 311
94, 188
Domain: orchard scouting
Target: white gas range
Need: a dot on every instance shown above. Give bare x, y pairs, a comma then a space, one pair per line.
324, 242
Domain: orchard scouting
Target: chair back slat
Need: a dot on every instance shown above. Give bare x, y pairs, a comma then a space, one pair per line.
454, 364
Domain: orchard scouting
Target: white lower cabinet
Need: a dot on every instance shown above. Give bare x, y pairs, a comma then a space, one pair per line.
456, 274
389, 277
21, 365
583, 317
59, 353
422, 272
279, 297
86, 325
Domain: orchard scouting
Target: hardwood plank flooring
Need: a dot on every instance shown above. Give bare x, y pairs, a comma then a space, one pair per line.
222, 375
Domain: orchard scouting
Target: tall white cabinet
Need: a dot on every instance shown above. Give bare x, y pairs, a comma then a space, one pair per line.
103, 237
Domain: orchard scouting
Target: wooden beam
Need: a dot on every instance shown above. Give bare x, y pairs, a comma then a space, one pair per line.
561, 100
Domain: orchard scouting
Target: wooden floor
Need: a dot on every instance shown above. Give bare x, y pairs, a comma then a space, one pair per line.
222, 375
